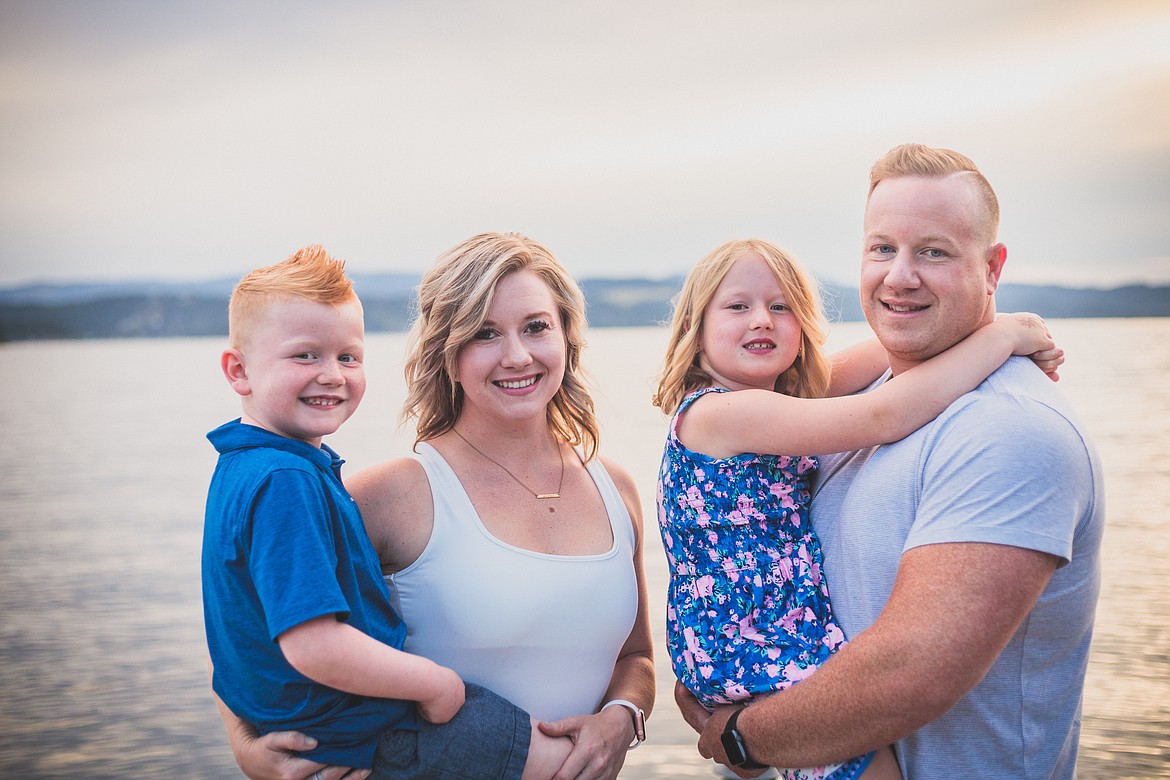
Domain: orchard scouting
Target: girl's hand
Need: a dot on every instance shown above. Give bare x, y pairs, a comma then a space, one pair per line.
1034, 341
600, 742
1049, 360
275, 757
1029, 331
447, 700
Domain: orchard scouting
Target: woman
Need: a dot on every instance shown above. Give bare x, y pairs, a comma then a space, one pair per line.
513, 552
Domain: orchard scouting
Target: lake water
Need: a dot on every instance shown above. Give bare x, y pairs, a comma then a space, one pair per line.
102, 483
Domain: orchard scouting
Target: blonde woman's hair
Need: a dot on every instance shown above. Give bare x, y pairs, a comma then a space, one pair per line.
930, 162
808, 377
308, 274
452, 305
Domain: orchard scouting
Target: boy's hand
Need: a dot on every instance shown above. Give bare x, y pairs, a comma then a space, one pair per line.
447, 699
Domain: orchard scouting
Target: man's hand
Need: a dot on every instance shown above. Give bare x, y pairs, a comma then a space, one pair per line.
695, 714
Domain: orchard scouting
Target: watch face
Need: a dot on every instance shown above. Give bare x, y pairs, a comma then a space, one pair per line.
734, 747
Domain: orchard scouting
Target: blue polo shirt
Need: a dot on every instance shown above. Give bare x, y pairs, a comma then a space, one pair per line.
283, 543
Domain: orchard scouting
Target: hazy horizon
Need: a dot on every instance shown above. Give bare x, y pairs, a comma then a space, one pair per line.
192, 141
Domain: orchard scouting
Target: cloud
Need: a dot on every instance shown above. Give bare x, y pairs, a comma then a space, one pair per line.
196, 140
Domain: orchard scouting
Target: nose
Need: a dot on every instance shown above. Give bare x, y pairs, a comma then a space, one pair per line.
901, 272
515, 353
330, 373
761, 318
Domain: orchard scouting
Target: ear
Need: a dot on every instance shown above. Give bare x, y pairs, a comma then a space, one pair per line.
231, 362
997, 257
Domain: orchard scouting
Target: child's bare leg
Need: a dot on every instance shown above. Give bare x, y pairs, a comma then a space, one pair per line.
884, 766
545, 755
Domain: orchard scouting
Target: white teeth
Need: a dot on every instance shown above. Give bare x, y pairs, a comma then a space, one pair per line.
322, 401
516, 385
892, 307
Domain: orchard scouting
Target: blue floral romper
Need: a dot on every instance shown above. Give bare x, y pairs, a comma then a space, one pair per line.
748, 604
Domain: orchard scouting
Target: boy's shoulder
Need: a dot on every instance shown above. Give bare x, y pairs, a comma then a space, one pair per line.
236, 437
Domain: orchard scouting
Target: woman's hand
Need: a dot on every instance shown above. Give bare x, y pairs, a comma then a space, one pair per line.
276, 756
600, 742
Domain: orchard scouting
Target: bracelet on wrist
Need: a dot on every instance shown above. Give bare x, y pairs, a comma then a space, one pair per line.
638, 716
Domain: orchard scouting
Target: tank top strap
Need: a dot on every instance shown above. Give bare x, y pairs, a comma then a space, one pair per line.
453, 508
620, 522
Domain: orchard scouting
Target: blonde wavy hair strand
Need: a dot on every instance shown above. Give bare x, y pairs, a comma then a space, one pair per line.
807, 377
451, 307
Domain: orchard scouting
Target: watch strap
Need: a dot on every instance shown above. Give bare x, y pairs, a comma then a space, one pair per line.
734, 745
638, 716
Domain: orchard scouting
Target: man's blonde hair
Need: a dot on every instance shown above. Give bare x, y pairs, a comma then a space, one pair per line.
452, 305
808, 377
930, 162
309, 274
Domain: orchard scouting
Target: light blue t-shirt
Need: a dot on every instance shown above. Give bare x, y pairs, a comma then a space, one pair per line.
1005, 464
283, 543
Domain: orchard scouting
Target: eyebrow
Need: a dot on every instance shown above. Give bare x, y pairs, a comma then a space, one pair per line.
542, 314
933, 238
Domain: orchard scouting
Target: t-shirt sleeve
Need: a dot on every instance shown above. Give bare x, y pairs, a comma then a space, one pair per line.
1007, 470
293, 559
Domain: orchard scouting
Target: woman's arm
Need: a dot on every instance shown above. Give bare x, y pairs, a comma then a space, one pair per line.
726, 424
394, 498
602, 739
275, 756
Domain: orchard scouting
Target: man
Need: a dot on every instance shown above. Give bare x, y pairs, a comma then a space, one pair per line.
963, 559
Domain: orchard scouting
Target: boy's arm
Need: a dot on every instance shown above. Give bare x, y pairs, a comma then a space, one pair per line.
338, 655
857, 367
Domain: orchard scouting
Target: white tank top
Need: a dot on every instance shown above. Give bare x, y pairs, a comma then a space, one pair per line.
543, 631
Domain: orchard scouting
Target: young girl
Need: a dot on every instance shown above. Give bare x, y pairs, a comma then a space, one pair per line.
746, 379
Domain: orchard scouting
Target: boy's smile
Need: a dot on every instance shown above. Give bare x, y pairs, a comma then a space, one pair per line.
300, 370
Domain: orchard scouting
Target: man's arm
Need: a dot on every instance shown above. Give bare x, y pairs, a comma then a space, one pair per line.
953, 609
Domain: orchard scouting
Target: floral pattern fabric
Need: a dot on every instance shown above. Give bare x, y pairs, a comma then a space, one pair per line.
748, 604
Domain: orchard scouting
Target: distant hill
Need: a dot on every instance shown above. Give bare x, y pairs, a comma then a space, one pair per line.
161, 309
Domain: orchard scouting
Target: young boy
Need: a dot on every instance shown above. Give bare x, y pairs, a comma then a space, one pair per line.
299, 624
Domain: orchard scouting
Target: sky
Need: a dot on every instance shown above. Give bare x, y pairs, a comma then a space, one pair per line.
197, 140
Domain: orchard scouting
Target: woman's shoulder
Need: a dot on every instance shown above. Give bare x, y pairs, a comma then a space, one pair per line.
617, 472
386, 479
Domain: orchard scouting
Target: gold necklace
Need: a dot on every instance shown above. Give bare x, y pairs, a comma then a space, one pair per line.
539, 496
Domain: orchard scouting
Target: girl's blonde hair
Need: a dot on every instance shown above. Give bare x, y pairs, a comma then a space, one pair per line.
452, 305
808, 377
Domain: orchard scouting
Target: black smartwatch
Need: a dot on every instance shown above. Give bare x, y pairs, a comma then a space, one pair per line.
734, 745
